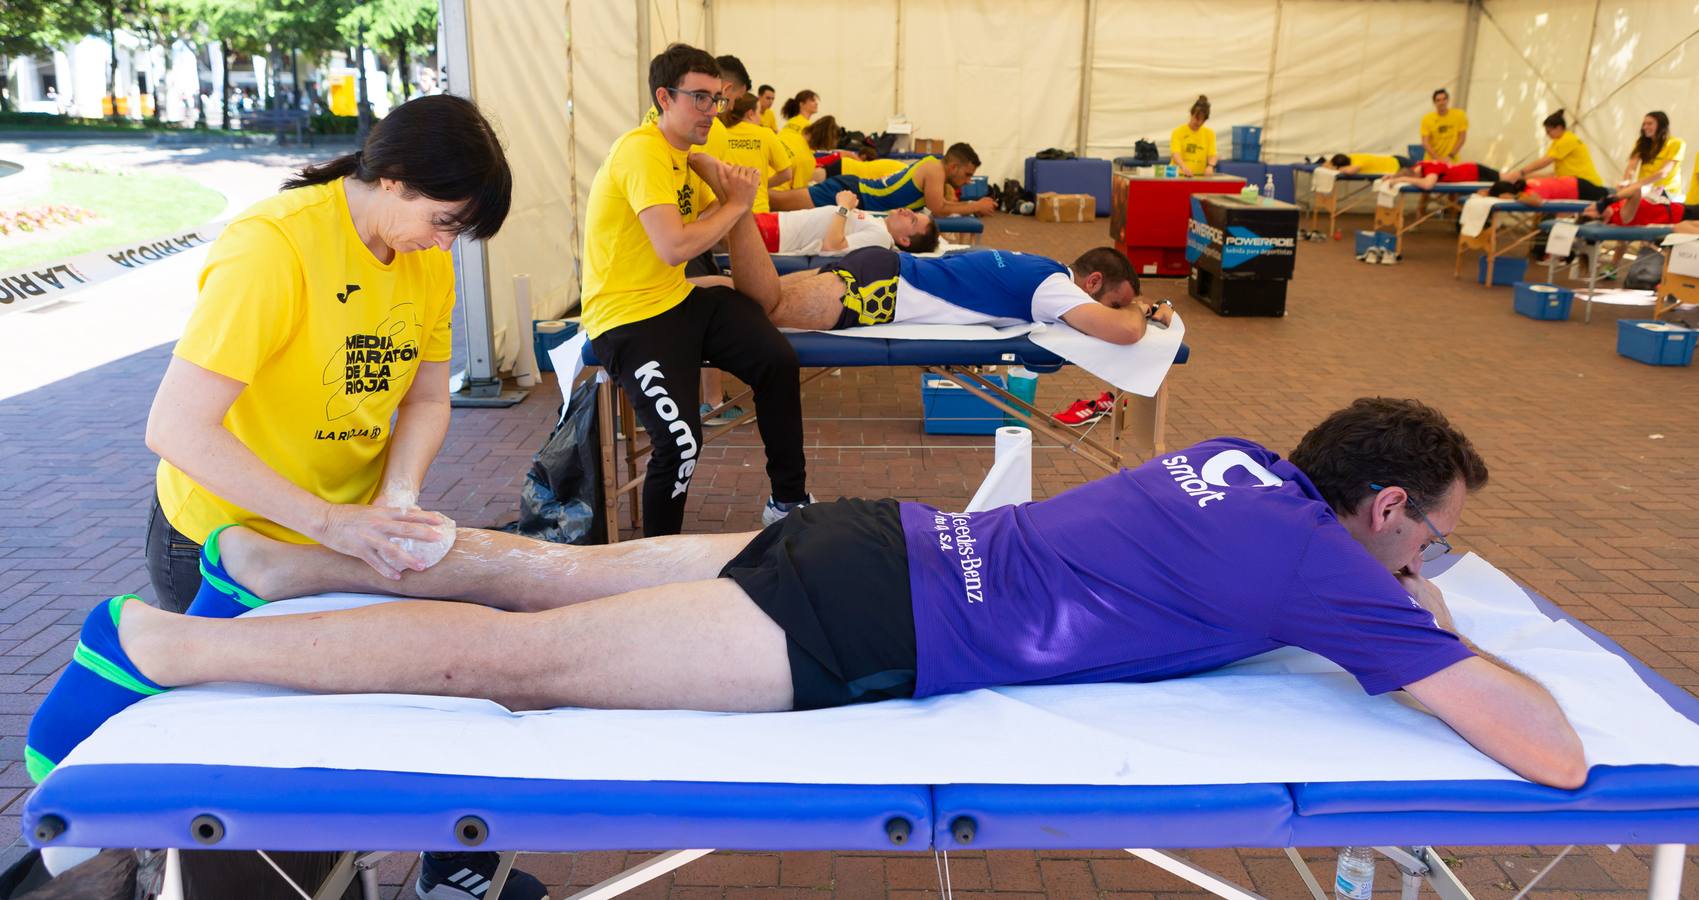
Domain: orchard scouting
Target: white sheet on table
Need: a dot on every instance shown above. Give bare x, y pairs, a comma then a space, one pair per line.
1476, 211
1322, 180
1561, 239
1286, 716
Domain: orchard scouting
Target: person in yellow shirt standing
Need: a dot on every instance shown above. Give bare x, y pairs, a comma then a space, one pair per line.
309, 392
769, 120
650, 326
748, 144
1568, 156
1192, 145
1444, 130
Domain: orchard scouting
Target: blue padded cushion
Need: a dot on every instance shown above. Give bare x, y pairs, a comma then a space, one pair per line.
1608, 789
814, 348
328, 809
1037, 817
1072, 176
1600, 232
1252, 172
960, 224
1550, 206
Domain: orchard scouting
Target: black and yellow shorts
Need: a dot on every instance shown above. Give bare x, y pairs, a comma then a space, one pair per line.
870, 286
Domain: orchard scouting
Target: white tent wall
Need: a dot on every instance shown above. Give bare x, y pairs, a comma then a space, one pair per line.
1534, 57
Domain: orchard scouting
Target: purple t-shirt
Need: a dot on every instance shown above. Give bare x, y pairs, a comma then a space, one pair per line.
1210, 555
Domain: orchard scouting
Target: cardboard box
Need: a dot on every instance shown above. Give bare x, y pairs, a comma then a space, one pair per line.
928, 145
1067, 208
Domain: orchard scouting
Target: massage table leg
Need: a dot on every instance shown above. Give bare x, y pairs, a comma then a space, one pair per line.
1203, 878
1593, 248
640, 874
1036, 421
1304, 872
610, 474
1667, 860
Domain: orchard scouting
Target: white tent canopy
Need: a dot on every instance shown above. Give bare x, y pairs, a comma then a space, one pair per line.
1012, 77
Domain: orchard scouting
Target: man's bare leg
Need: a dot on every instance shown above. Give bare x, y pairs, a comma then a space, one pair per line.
702, 645
752, 267
491, 568
812, 300
795, 198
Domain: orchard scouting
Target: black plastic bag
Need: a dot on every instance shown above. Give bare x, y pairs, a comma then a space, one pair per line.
1645, 273
562, 498
1144, 152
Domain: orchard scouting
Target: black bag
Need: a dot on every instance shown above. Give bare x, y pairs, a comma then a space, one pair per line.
883, 145
1645, 273
1054, 153
1010, 197
562, 498
1144, 153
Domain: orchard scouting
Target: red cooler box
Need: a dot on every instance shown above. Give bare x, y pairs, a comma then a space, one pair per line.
1153, 226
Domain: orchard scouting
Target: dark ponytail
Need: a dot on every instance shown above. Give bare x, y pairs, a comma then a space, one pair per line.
793, 106
439, 146
1201, 108
1555, 120
739, 108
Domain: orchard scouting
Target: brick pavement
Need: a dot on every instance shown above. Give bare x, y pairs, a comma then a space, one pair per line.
1588, 505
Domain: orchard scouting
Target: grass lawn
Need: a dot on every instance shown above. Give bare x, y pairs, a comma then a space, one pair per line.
132, 207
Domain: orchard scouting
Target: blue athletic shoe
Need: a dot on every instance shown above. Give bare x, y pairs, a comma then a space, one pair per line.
220, 596
99, 683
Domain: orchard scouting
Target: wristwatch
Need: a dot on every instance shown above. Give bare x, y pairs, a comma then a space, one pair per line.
1151, 313
843, 211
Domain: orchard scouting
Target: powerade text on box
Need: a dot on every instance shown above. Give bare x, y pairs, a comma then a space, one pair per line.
1232, 236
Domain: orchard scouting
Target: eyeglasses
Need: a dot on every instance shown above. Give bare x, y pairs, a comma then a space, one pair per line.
705, 102
1433, 549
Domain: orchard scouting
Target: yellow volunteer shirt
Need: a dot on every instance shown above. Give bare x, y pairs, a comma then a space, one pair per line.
1194, 148
748, 144
327, 340
873, 169
796, 124
1374, 163
769, 119
801, 158
1573, 158
1442, 132
625, 280
1671, 153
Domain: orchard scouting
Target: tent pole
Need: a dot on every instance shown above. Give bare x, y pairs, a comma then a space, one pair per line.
1088, 52
897, 66
1466, 66
708, 25
644, 101
1273, 58
482, 385
1581, 89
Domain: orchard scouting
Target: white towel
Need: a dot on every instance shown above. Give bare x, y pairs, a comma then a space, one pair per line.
1386, 193
1321, 180
1562, 238
1476, 211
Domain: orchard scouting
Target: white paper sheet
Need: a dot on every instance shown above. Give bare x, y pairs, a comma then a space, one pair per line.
1286, 716
1386, 193
1684, 254
1561, 239
1323, 179
1476, 211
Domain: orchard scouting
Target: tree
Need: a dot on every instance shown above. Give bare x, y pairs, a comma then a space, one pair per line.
398, 25
38, 27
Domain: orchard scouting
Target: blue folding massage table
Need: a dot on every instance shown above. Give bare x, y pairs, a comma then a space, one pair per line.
1393, 217
1502, 236
1344, 197
156, 803
1592, 237
955, 360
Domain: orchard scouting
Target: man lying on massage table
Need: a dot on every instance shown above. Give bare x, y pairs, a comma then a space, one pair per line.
1098, 295
842, 228
1214, 554
931, 184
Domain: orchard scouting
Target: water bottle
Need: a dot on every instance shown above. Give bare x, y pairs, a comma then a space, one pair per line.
1268, 187
1355, 879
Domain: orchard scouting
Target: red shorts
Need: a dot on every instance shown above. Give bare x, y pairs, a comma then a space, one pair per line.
768, 224
1450, 173
1647, 214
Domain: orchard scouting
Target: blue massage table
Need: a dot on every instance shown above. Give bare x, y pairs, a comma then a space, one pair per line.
954, 360
1501, 237
1342, 199
240, 808
1392, 218
1592, 237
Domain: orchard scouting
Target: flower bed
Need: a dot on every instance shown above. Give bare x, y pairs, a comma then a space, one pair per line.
41, 218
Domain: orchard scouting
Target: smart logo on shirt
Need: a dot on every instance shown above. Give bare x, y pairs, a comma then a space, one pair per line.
1198, 483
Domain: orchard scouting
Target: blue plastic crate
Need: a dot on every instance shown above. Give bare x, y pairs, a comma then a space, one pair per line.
1660, 344
1506, 271
1367, 239
544, 342
1415, 152
1542, 301
1247, 151
976, 188
950, 408
1247, 133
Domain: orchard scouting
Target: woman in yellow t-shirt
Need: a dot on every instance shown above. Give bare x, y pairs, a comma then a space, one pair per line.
748, 144
798, 111
1568, 157
323, 314
1192, 145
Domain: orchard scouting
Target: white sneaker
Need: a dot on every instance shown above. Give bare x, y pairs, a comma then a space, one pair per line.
776, 511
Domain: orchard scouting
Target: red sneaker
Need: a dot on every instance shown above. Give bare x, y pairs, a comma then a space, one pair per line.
1104, 404
1078, 413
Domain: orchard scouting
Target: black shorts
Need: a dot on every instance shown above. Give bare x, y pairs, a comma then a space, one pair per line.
870, 286
1587, 190
1404, 162
1690, 211
834, 576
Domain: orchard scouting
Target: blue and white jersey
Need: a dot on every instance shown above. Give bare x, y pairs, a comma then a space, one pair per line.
997, 287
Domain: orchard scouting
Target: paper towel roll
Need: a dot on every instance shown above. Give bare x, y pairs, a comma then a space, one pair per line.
525, 366
1010, 478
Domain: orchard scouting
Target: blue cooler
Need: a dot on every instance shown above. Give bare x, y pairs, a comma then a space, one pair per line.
1367, 239
545, 341
1542, 301
950, 408
1655, 343
1506, 271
